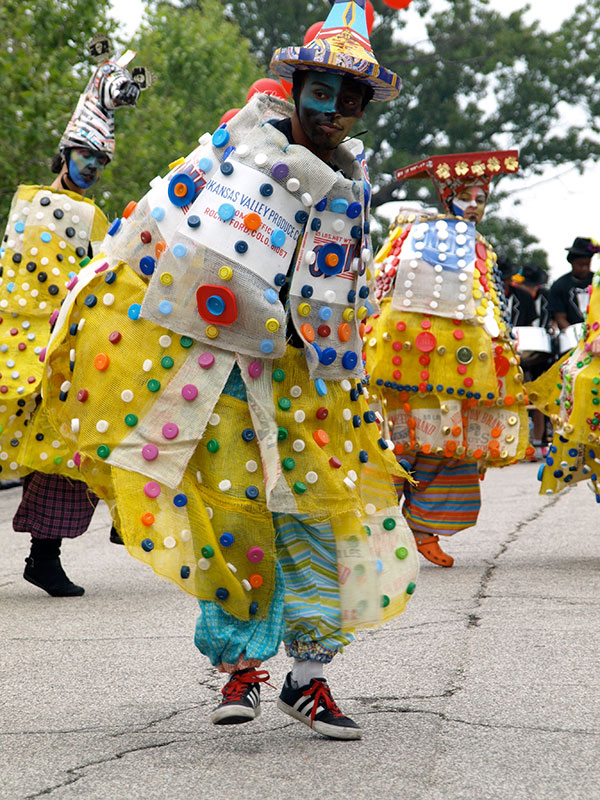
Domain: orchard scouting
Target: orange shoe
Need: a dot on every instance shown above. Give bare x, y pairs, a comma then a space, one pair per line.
430, 549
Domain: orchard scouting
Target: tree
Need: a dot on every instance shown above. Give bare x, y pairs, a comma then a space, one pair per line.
512, 241
42, 73
203, 66
480, 80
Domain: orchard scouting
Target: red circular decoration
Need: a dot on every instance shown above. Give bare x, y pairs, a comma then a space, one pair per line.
266, 86
396, 346
481, 251
425, 342
481, 265
401, 326
458, 334
312, 32
397, 4
397, 360
370, 14
502, 365
228, 115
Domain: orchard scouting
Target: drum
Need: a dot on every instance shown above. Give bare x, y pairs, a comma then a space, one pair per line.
534, 345
569, 337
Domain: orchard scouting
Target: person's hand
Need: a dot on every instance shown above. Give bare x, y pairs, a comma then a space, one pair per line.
595, 346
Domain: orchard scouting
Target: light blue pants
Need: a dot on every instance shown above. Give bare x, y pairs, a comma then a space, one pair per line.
305, 609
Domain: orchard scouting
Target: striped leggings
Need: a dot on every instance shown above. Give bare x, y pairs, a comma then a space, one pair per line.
447, 496
305, 610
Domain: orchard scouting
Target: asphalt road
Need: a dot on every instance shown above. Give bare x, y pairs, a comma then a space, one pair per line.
486, 688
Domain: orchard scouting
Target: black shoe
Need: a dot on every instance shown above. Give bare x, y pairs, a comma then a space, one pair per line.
10, 484
241, 698
49, 575
115, 536
314, 706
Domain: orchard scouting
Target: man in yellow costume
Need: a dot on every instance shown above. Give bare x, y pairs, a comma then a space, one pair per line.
440, 355
208, 367
48, 238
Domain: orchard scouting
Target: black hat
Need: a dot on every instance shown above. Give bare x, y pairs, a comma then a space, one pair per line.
507, 269
582, 248
533, 276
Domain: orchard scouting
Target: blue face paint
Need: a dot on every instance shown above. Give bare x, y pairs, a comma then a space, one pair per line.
328, 107
469, 203
320, 92
84, 167
456, 209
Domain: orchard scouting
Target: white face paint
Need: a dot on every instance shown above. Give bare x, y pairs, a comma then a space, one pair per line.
470, 202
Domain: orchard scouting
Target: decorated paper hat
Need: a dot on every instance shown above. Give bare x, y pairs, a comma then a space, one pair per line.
92, 124
342, 45
450, 172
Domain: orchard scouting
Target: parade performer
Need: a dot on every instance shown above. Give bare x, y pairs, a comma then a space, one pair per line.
569, 393
48, 238
208, 365
440, 356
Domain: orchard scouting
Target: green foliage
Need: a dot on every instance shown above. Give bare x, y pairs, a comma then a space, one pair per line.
42, 73
512, 241
203, 67
483, 80
479, 80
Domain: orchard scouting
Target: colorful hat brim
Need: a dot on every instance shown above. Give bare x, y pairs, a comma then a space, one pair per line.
385, 83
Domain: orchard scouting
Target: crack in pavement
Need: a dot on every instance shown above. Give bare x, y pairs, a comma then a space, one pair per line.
473, 618
477, 724
72, 771
562, 601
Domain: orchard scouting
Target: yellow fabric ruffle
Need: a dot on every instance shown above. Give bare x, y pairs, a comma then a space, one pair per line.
128, 394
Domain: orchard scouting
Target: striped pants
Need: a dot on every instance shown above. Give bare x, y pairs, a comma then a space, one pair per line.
305, 609
447, 496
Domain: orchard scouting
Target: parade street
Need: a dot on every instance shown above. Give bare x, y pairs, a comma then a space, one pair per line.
487, 687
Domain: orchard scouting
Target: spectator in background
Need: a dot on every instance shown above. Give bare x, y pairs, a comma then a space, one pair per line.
569, 294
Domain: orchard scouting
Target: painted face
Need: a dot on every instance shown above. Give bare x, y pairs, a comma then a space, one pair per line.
85, 166
469, 202
329, 106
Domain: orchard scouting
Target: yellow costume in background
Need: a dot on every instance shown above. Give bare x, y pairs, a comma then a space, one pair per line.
46, 240
569, 393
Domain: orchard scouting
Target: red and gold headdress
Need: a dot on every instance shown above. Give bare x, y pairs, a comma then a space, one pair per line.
450, 172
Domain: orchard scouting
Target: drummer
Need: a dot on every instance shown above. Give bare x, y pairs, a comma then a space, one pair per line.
530, 308
521, 305
569, 294
533, 280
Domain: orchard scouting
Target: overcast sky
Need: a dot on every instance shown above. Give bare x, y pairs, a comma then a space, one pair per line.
557, 206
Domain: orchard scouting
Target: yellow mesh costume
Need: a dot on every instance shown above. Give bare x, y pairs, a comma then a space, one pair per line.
46, 239
439, 354
569, 393
143, 348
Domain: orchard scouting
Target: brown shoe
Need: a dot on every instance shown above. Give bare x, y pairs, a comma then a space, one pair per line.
430, 549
